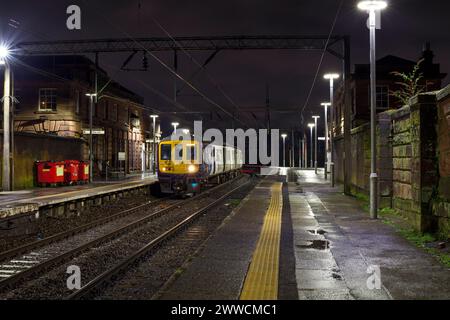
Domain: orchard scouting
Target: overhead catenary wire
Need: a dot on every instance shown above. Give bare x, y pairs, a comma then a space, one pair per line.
202, 67
168, 68
321, 58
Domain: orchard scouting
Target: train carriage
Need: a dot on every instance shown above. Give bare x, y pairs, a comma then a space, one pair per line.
184, 166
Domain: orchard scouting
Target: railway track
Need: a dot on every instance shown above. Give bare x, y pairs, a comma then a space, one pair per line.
122, 265
27, 261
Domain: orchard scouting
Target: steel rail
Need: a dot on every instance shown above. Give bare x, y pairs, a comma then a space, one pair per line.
58, 259
68, 233
121, 266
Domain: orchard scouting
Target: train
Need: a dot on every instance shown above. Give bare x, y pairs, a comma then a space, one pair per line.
186, 166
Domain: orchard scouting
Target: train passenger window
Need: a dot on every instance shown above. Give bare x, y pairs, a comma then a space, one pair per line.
166, 152
179, 152
190, 153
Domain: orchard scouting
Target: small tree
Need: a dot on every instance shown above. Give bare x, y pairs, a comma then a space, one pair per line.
409, 83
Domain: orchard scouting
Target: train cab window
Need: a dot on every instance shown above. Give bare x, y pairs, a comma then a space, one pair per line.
166, 152
190, 152
179, 152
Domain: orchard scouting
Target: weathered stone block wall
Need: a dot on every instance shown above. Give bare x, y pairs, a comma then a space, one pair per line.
401, 160
413, 160
441, 201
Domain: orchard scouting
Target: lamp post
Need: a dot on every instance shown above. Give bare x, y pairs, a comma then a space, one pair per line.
311, 126
372, 7
6, 173
315, 143
327, 148
331, 77
91, 159
284, 135
154, 116
175, 125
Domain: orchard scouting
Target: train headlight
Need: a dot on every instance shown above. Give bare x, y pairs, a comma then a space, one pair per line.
192, 168
164, 169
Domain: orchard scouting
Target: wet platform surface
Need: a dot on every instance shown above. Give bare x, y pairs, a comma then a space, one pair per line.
329, 249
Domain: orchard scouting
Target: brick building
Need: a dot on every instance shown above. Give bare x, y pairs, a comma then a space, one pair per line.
51, 101
386, 82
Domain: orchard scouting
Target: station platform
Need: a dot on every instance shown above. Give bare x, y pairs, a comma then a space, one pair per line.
19, 202
302, 239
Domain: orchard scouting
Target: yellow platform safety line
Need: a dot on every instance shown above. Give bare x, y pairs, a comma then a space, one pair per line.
261, 282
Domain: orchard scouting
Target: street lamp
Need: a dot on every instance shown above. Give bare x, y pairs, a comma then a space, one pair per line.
154, 116
372, 7
175, 125
6, 172
91, 160
331, 77
327, 148
315, 143
4, 54
311, 126
284, 135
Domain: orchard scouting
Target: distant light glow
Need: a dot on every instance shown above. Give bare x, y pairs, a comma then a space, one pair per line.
329, 76
316, 117
284, 135
4, 53
311, 125
372, 5
325, 104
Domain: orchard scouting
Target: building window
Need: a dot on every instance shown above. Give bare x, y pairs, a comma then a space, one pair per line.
17, 97
382, 97
47, 99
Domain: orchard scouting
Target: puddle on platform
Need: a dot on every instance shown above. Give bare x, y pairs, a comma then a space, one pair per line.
336, 276
317, 231
316, 244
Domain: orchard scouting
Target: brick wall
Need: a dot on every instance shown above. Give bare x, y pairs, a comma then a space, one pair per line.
31, 147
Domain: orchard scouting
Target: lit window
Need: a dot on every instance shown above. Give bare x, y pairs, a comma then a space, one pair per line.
47, 99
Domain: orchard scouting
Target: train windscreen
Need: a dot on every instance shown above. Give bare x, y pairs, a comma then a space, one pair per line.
166, 152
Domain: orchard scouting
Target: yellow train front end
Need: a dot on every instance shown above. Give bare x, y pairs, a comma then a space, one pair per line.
179, 166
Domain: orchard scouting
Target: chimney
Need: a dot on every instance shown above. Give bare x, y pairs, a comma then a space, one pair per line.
427, 54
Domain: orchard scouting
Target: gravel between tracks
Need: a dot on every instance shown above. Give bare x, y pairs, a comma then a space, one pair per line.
47, 226
52, 285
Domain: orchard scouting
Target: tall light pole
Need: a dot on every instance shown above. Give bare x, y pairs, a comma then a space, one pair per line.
331, 77
284, 135
372, 7
311, 126
315, 143
91, 158
154, 116
6, 173
175, 125
327, 147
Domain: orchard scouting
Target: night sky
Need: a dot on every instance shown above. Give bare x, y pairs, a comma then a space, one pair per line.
243, 75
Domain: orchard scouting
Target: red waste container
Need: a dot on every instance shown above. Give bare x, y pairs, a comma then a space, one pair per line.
50, 173
83, 172
71, 171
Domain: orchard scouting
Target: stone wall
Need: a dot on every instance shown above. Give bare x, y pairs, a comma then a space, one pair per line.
441, 203
413, 160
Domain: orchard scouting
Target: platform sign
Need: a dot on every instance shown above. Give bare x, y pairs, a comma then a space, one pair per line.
121, 156
94, 131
